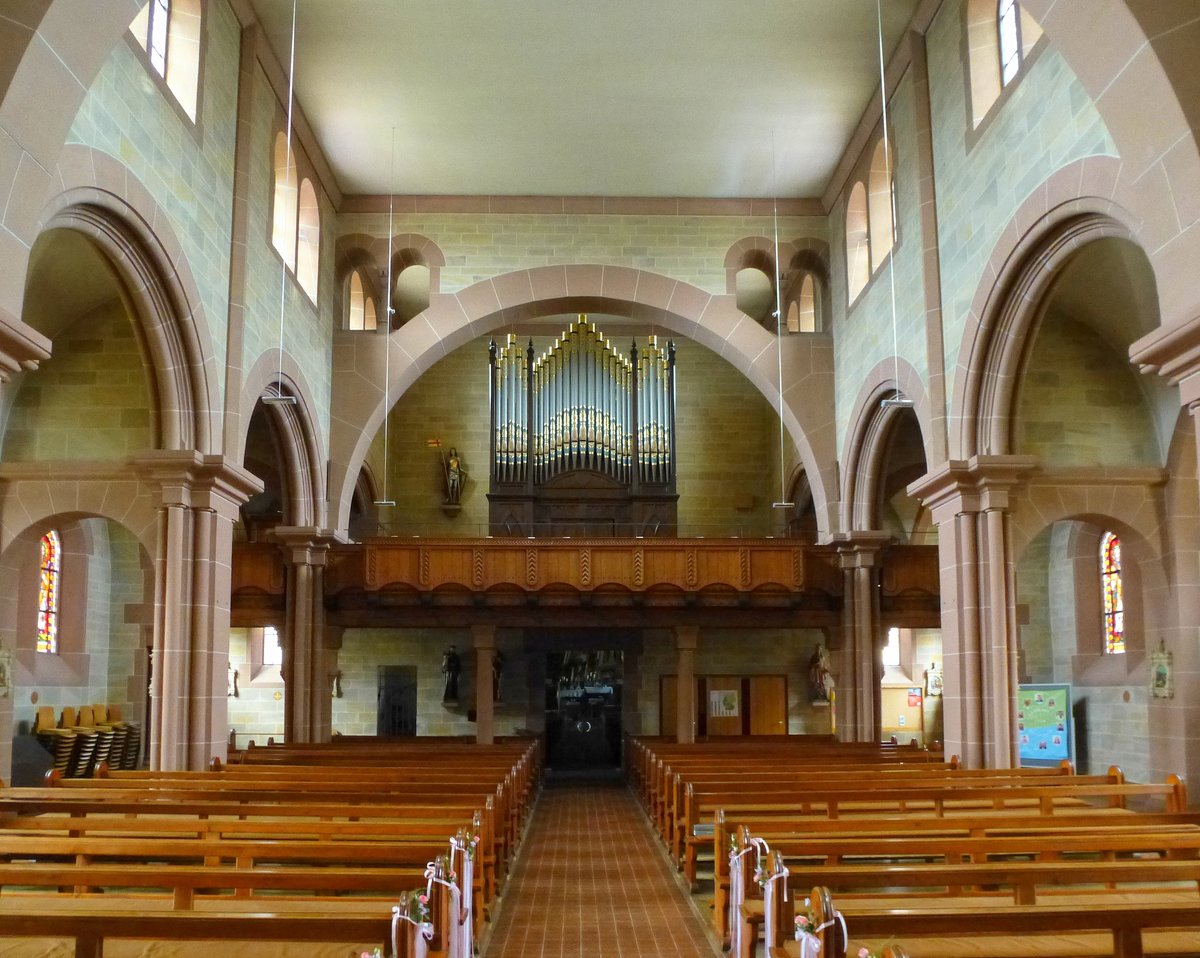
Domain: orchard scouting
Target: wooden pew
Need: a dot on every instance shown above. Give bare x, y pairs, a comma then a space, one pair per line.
955, 898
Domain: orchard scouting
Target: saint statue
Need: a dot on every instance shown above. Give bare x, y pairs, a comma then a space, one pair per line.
455, 474
450, 668
820, 679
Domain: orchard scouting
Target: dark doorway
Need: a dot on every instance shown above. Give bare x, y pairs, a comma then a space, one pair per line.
583, 708
397, 700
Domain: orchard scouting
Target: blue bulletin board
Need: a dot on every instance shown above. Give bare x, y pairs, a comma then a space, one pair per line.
1045, 733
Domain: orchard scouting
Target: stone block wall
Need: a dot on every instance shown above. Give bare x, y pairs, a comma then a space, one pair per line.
727, 435
188, 170
983, 176
89, 400
734, 652
364, 650
1080, 404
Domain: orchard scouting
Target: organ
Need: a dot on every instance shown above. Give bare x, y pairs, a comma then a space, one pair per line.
582, 437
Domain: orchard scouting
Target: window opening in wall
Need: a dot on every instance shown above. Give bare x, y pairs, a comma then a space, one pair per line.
1113, 592
49, 585
891, 651
858, 250
169, 33
362, 308
272, 650
1009, 25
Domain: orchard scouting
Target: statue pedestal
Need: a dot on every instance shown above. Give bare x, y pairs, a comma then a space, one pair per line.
451, 509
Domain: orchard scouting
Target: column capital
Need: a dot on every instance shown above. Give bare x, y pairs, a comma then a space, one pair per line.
1173, 352
860, 549
303, 545
483, 636
192, 479
978, 484
687, 637
21, 347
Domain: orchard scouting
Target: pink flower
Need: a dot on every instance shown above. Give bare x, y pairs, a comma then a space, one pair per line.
802, 921
423, 899
863, 953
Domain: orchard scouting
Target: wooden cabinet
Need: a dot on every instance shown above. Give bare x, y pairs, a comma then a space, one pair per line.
730, 705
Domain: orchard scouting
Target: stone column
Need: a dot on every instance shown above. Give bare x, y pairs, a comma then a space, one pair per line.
484, 640
307, 705
200, 497
687, 638
860, 663
1173, 352
969, 501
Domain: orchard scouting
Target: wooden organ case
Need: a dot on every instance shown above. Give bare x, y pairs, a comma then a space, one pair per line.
582, 438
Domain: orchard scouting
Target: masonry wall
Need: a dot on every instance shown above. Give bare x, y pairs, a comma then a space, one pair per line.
727, 436
1043, 123
187, 170
273, 297
89, 400
365, 650
734, 652
1080, 404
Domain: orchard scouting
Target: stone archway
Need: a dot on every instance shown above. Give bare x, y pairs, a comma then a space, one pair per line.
713, 321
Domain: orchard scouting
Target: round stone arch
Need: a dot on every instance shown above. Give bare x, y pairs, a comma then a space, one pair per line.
1008, 305
1138, 54
295, 426
870, 426
106, 203
455, 319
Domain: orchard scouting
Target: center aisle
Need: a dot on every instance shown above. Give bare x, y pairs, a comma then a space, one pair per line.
592, 880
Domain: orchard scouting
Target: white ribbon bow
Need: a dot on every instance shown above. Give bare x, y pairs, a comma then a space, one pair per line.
737, 890
454, 947
424, 933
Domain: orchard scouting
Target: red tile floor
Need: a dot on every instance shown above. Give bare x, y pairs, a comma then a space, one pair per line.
591, 879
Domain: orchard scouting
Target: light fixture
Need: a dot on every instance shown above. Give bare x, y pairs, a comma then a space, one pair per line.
899, 400
387, 340
281, 398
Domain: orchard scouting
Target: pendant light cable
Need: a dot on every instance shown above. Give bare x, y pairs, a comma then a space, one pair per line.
782, 503
281, 398
898, 399
387, 340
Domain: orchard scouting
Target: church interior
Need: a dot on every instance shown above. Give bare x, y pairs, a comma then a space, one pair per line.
573, 373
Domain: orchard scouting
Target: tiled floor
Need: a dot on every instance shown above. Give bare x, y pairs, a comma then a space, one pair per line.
592, 880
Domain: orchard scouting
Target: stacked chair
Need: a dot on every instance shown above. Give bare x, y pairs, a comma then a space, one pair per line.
84, 738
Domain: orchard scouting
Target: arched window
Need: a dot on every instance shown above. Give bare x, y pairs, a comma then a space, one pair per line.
361, 308
1000, 37
1008, 28
858, 250
802, 316
49, 589
879, 204
286, 203
1112, 588
169, 31
308, 240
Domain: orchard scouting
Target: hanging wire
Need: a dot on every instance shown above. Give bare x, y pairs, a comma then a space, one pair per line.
387, 340
282, 399
898, 399
782, 503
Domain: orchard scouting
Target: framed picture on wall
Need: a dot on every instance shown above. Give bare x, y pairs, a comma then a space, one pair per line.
933, 680
6, 671
1162, 673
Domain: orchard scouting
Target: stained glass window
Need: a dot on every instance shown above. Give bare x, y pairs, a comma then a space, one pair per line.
49, 585
1114, 596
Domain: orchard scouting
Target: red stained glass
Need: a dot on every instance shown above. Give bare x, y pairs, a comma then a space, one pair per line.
1113, 591
49, 585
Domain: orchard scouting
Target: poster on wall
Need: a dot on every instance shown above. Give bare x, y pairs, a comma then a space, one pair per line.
1045, 734
723, 703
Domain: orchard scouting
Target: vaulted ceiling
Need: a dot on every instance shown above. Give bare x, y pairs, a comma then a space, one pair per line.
695, 98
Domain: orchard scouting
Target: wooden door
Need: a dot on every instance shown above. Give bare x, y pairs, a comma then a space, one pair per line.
723, 704
768, 705
667, 705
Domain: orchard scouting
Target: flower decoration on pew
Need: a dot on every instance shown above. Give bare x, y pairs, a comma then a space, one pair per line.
418, 906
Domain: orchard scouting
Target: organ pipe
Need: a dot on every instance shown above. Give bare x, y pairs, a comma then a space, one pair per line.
581, 405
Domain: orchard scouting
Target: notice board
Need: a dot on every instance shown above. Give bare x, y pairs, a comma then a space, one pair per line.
1045, 735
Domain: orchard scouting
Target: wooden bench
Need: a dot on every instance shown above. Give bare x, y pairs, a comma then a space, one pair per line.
1122, 930
951, 896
